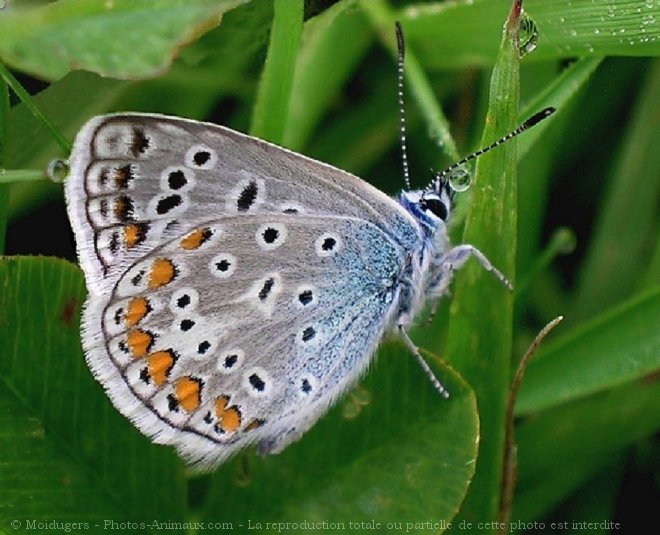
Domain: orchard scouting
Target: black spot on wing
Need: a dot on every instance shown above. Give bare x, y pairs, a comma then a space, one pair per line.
247, 197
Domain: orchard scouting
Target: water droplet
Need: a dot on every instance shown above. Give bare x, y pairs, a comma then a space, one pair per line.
648, 20
459, 179
611, 11
596, 31
528, 35
572, 32
57, 170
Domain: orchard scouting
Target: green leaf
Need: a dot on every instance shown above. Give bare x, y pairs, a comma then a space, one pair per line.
339, 37
4, 160
121, 39
617, 253
393, 451
273, 98
417, 81
558, 94
567, 28
480, 328
615, 348
60, 434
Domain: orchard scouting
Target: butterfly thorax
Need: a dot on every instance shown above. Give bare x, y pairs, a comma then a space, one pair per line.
422, 272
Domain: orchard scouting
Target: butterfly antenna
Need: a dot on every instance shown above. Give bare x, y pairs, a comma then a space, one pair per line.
400, 54
533, 120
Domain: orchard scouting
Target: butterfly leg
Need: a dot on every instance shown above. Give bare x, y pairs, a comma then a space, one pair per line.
427, 369
434, 309
457, 256
440, 287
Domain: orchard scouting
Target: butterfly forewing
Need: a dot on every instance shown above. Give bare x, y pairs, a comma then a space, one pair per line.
139, 180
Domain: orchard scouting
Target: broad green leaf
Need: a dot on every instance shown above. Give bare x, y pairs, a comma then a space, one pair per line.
40, 479
121, 39
480, 328
561, 449
615, 348
567, 28
393, 450
64, 447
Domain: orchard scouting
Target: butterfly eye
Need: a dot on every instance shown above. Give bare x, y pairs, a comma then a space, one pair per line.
437, 207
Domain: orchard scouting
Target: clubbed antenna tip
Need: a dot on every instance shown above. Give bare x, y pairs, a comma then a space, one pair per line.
533, 120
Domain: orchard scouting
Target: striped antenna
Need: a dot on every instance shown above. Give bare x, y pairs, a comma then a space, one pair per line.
400, 53
533, 120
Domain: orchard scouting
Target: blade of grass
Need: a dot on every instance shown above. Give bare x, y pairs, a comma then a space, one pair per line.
4, 159
332, 45
617, 252
480, 328
562, 89
616, 347
651, 277
25, 98
538, 163
273, 97
566, 29
8, 176
383, 18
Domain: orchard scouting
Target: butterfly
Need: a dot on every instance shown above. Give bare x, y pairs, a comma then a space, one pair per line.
238, 289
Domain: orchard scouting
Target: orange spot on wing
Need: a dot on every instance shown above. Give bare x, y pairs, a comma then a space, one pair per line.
123, 208
139, 342
187, 392
195, 239
131, 235
229, 418
122, 176
136, 310
162, 272
159, 365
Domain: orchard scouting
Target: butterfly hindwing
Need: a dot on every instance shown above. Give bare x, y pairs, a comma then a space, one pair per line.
244, 329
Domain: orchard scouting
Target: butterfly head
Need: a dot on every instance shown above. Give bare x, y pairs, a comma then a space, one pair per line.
432, 206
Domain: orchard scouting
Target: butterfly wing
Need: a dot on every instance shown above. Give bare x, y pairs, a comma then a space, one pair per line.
244, 329
236, 288
139, 180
